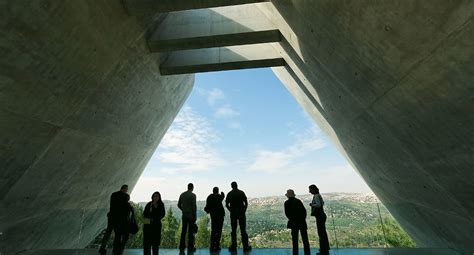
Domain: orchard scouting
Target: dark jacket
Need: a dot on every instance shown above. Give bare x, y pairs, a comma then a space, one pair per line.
120, 209
236, 202
214, 205
296, 214
152, 231
187, 204
154, 214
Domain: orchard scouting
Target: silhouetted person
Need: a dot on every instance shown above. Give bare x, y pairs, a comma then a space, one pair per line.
317, 210
120, 210
236, 202
296, 214
215, 208
187, 205
110, 227
153, 213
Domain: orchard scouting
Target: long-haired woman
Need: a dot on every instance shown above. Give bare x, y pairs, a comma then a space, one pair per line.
153, 213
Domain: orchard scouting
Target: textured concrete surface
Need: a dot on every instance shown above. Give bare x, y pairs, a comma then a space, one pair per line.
262, 252
140, 7
82, 105
215, 27
392, 84
82, 109
221, 58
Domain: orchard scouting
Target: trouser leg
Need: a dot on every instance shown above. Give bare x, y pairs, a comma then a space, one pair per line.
220, 224
146, 245
243, 231
156, 249
304, 238
294, 240
323, 236
213, 233
190, 236
182, 241
233, 233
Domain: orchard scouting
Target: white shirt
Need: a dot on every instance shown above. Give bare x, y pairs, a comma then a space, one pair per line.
318, 201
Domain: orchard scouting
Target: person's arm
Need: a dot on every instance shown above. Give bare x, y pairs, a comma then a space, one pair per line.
161, 212
146, 211
206, 207
180, 202
227, 202
303, 210
246, 203
194, 208
287, 210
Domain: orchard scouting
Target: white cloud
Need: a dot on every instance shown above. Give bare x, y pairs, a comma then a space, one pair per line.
189, 144
234, 125
226, 112
287, 158
214, 95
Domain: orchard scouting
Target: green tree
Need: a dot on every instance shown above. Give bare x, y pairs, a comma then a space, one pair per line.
396, 236
204, 234
169, 231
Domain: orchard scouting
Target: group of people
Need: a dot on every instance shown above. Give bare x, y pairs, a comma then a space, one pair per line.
236, 203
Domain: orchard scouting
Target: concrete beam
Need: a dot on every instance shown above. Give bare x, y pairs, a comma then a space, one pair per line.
215, 41
216, 27
140, 7
221, 59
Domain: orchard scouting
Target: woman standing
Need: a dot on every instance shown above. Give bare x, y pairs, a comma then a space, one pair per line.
153, 213
317, 210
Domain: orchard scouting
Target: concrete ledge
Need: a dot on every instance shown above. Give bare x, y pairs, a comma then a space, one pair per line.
215, 41
223, 58
140, 7
247, 64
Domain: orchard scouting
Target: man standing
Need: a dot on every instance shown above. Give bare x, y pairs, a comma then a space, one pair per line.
317, 210
216, 210
296, 214
119, 215
236, 202
110, 227
187, 205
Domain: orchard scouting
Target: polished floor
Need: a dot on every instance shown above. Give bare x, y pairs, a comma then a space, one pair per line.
257, 252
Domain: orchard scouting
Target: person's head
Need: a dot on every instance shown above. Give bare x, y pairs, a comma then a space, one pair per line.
290, 193
124, 188
313, 189
156, 196
233, 185
215, 190
190, 187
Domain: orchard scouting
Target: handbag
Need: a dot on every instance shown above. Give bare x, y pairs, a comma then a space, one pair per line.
132, 224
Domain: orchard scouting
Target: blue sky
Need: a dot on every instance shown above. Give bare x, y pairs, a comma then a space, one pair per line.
244, 126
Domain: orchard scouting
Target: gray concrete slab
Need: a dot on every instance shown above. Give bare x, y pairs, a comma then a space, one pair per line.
141, 7
219, 59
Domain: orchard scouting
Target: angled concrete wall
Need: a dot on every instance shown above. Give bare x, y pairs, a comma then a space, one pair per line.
393, 85
82, 109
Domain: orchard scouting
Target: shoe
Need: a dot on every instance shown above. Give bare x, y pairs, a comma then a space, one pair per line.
248, 248
102, 251
232, 249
